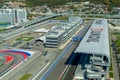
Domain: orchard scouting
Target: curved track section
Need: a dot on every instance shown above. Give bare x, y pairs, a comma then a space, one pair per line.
13, 58
25, 54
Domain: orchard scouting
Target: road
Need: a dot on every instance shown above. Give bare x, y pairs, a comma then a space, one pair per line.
11, 38
32, 26
7, 67
59, 65
78, 59
14, 71
29, 65
56, 72
22, 30
28, 68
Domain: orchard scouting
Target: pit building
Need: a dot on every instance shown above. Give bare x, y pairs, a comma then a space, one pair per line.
94, 53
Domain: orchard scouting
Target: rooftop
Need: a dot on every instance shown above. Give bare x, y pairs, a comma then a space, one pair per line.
41, 30
56, 31
96, 39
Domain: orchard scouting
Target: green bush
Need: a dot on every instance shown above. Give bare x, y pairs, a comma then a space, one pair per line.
61, 18
111, 74
25, 38
25, 77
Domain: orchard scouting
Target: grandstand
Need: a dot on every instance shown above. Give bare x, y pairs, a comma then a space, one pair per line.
94, 50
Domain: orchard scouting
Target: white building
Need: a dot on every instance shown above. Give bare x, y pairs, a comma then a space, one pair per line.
20, 15
60, 34
13, 16
54, 37
6, 16
94, 60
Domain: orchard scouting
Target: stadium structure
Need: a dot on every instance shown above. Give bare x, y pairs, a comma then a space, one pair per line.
94, 60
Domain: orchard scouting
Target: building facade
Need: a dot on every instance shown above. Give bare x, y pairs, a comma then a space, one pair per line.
54, 37
60, 34
95, 55
13, 16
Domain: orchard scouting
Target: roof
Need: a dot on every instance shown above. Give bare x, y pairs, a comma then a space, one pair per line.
42, 38
57, 31
96, 39
41, 30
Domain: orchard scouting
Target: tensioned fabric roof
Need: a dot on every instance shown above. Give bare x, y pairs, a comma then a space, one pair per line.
96, 39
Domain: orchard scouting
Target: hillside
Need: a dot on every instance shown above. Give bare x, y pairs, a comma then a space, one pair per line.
60, 2
48, 2
108, 2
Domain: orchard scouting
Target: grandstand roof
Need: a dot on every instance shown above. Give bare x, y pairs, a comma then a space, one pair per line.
96, 39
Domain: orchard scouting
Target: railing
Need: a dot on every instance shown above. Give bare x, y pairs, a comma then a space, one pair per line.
93, 75
101, 63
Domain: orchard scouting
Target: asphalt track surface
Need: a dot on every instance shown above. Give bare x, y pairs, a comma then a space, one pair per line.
74, 60
17, 58
78, 59
56, 72
64, 62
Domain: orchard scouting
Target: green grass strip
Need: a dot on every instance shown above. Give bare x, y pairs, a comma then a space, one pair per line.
25, 77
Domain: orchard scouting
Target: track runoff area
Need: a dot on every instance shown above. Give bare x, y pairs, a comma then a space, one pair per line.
11, 59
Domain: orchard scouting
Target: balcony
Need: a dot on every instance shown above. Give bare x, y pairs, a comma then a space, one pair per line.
102, 63
98, 61
93, 76
94, 72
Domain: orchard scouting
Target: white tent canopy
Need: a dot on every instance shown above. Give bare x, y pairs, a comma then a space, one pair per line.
41, 30
42, 38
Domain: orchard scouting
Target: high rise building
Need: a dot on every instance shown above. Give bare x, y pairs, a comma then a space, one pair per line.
13, 16
20, 15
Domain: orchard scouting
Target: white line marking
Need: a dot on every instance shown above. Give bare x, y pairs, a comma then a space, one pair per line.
10, 70
41, 71
63, 73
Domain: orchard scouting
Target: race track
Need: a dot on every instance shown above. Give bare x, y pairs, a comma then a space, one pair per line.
13, 59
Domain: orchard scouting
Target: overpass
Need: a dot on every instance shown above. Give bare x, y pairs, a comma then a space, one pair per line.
108, 16
27, 24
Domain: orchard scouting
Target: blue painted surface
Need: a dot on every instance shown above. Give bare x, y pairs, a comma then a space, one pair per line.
28, 54
56, 62
75, 39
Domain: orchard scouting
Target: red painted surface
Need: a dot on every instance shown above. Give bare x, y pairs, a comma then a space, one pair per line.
8, 59
16, 52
